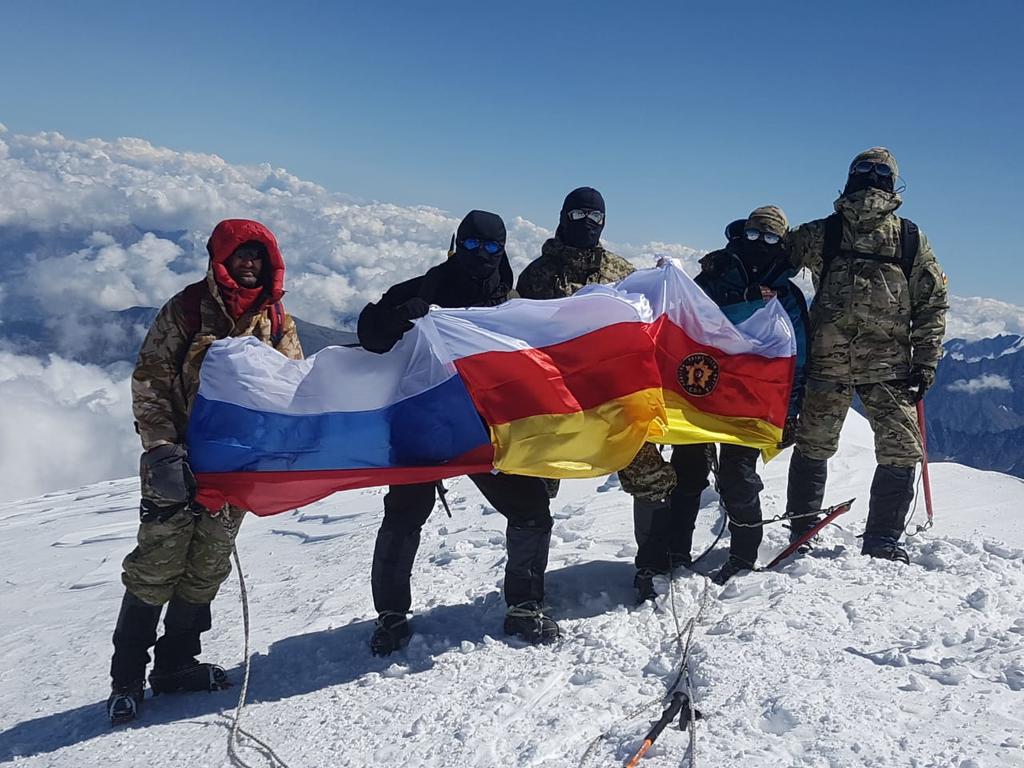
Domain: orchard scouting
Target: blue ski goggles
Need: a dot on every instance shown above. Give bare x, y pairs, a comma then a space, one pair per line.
866, 166
769, 237
491, 246
578, 214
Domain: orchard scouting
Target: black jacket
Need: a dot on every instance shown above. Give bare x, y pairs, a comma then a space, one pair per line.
381, 325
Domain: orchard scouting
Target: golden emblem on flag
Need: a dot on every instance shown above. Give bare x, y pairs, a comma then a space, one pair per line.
698, 374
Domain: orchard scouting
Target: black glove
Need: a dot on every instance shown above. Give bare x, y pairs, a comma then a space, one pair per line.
921, 379
167, 479
414, 308
789, 432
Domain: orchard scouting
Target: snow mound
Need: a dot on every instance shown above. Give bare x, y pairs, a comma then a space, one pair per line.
832, 660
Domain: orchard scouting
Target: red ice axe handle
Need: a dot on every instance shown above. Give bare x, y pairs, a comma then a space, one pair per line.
830, 514
924, 461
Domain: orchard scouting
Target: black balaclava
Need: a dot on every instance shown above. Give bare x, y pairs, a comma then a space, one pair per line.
483, 226
858, 181
757, 255
584, 233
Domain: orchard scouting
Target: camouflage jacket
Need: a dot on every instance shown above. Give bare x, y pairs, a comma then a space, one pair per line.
166, 376
869, 323
561, 270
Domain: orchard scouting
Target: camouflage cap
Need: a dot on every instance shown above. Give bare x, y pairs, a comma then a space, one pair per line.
768, 218
877, 155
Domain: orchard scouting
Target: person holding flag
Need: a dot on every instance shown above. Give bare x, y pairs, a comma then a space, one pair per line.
476, 274
741, 278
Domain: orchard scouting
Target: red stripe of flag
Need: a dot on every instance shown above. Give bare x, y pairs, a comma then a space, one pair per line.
268, 493
568, 377
749, 386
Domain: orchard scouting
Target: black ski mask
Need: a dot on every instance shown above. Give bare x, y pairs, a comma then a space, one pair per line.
585, 233
859, 181
758, 256
485, 228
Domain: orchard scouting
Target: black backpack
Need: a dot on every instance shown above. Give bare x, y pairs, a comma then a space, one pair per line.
910, 244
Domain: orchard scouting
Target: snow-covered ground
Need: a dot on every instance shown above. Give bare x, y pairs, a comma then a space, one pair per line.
831, 660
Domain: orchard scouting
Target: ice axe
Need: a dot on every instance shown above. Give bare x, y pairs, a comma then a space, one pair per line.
680, 705
924, 469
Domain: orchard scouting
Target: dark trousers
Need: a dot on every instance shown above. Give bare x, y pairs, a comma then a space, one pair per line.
664, 532
523, 501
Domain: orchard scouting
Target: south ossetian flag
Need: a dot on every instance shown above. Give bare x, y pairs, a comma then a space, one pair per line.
562, 388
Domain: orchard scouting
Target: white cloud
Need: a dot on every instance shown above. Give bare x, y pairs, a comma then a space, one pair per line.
58, 189
984, 383
64, 425
973, 318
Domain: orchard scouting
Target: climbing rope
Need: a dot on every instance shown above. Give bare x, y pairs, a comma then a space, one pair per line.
682, 674
236, 729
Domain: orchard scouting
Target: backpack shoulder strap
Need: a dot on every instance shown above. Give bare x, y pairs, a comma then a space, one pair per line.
190, 302
833, 242
276, 323
910, 244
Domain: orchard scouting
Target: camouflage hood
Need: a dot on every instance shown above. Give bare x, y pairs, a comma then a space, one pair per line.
866, 209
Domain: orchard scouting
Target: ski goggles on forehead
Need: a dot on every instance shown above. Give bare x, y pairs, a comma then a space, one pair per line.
473, 243
578, 214
769, 237
866, 166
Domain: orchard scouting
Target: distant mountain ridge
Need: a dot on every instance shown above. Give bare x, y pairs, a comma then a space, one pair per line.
975, 410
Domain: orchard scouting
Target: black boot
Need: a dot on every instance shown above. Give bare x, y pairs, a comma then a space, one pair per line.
527, 559
529, 622
134, 635
643, 583
805, 493
391, 633
733, 566
892, 492
176, 667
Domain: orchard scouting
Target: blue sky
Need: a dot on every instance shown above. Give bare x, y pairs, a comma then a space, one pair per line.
686, 115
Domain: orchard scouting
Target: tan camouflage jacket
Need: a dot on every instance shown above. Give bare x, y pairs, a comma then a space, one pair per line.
561, 270
166, 376
869, 323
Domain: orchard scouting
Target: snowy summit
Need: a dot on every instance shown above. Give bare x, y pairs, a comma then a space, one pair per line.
832, 659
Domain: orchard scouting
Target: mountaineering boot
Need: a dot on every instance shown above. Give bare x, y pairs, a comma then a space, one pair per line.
391, 633
892, 492
643, 583
805, 494
134, 635
886, 552
730, 568
125, 703
175, 667
528, 622
188, 676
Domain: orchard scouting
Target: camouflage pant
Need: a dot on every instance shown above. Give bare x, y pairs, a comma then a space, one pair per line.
890, 410
187, 556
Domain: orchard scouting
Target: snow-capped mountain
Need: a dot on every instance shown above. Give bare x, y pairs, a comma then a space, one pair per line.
976, 408
830, 660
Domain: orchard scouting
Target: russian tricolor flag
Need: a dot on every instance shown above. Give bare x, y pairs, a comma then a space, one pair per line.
563, 388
